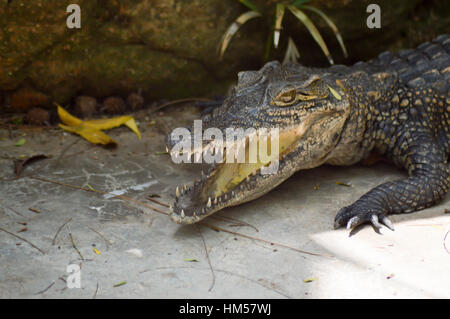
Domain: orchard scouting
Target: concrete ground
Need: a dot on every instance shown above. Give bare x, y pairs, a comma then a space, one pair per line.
280, 246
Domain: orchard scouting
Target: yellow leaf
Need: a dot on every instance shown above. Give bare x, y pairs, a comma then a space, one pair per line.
67, 118
335, 93
91, 134
89, 186
94, 127
96, 251
309, 279
191, 260
20, 142
120, 284
106, 124
132, 126
343, 184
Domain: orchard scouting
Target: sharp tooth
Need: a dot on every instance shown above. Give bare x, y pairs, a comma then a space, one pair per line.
182, 213
167, 149
171, 208
215, 201
203, 210
225, 197
232, 193
195, 214
248, 178
177, 192
208, 204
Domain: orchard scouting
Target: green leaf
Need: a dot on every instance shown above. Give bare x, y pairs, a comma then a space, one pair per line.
20, 142
233, 28
191, 260
299, 3
17, 121
89, 186
331, 25
279, 13
120, 284
249, 5
268, 46
312, 30
292, 54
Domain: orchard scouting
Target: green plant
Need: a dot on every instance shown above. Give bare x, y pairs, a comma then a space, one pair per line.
297, 8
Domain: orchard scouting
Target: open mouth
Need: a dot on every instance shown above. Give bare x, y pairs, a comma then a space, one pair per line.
305, 145
231, 183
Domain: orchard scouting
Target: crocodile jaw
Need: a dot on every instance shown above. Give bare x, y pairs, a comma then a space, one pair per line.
229, 184
226, 184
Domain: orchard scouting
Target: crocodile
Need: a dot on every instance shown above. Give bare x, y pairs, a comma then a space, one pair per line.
397, 104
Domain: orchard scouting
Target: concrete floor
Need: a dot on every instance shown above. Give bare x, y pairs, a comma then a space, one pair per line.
140, 253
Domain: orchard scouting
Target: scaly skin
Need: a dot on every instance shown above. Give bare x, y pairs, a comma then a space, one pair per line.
397, 104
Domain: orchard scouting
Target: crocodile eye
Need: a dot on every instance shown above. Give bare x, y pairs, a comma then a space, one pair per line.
306, 96
285, 98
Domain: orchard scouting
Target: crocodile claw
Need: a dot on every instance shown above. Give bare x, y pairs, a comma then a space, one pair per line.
352, 216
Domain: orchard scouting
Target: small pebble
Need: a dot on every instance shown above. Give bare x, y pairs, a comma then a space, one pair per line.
37, 116
25, 99
85, 106
135, 101
113, 105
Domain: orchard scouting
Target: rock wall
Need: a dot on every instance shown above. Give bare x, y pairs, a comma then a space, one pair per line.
168, 48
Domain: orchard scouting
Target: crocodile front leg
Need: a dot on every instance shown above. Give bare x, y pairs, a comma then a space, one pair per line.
428, 183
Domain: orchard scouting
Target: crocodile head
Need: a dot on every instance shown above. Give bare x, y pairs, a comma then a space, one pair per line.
306, 106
